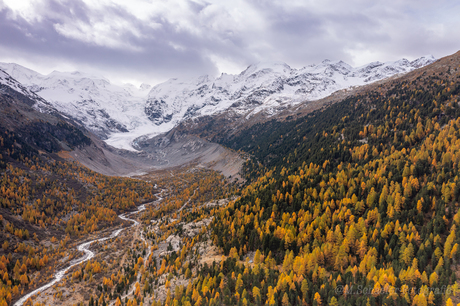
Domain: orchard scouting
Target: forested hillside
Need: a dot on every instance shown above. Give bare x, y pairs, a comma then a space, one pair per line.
354, 204
47, 200
45, 204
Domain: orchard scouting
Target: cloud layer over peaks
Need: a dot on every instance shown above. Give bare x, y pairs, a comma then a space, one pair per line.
155, 40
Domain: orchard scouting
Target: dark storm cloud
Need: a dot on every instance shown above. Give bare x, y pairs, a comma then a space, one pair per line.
182, 37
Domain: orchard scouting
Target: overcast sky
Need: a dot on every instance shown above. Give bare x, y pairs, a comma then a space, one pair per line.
153, 40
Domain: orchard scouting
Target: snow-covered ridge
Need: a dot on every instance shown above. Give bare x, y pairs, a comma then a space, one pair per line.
102, 107
40, 104
266, 87
122, 114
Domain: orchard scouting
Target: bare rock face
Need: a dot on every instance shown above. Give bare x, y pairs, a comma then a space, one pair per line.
35, 124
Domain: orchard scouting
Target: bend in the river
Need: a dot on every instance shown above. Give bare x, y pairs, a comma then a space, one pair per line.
84, 247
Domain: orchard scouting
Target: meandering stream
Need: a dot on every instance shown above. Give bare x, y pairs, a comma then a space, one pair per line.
84, 247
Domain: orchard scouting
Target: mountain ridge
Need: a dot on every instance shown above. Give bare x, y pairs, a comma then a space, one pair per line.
92, 100
122, 115
46, 130
267, 86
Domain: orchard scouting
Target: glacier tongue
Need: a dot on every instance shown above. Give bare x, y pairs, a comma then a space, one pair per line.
122, 114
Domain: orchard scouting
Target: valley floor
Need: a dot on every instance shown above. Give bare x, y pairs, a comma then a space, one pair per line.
136, 266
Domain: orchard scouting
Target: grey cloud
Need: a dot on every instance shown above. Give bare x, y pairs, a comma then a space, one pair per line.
157, 57
297, 35
76, 9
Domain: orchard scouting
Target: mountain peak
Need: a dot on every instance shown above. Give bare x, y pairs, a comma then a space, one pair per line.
423, 61
145, 86
277, 67
101, 106
266, 87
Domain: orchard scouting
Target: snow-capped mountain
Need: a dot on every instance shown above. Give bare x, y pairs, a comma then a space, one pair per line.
102, 107
264, 87
123, 115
